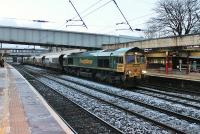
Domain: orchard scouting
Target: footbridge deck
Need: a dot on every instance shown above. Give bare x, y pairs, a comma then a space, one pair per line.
45, 37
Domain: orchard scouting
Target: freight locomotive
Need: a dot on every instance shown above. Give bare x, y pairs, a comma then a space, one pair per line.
113, 66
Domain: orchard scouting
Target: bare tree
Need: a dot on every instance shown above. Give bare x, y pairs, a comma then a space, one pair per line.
150, 32
176, 17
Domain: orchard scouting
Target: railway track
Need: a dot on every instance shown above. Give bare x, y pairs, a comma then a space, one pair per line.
80, 119
171, 89
132, 118
190, 119
173, 97
140, 103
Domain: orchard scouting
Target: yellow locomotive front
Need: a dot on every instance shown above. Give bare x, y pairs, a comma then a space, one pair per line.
134, 64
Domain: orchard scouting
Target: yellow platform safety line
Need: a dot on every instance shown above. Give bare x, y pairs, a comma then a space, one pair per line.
4, 122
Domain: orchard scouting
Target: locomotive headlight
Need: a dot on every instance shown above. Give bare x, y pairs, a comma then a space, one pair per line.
129, 72
144, 71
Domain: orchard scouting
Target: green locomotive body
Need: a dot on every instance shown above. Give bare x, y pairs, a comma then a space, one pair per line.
107, 65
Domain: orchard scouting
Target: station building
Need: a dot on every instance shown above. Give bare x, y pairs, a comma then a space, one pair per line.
168, 53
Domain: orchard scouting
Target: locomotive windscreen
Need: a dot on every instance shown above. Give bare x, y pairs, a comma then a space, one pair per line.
130, 59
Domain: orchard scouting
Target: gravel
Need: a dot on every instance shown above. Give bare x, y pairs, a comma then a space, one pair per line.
124, 121
170, 120
179, 108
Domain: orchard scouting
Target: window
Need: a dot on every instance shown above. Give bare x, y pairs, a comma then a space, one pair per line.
119, 60
130, 59
140, 59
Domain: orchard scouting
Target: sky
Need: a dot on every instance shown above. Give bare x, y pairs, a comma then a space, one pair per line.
99, 18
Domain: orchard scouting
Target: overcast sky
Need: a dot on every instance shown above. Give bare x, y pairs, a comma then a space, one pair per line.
103, 20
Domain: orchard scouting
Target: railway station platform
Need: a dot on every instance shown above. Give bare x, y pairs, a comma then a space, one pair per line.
23, 110
175, 74
173, 79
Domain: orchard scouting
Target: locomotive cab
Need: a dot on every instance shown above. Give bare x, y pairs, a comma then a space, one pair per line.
134, 64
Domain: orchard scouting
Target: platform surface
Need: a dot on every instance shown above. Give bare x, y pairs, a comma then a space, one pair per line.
175, 74
23, 110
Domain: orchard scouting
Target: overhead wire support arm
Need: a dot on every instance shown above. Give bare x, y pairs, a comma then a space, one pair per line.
123, 15
84, 25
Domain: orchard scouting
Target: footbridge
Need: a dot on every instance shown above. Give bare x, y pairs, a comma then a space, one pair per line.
45, 37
